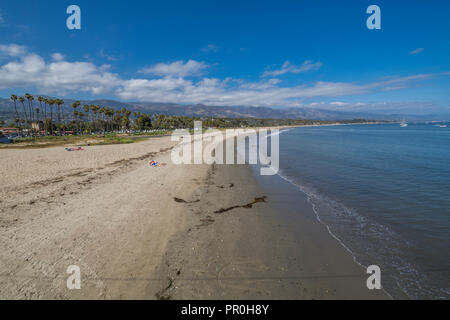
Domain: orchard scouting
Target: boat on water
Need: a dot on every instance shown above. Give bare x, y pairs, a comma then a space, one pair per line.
403, 124
443, 126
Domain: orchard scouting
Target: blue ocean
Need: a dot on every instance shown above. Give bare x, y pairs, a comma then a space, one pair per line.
384, 191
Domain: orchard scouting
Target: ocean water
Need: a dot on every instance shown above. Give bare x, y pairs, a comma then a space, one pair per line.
384, 192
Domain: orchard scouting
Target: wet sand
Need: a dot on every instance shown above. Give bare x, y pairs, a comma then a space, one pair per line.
265, 251
171, 232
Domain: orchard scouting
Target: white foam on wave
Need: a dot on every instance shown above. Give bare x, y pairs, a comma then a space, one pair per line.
386, 247
310, 195
382, 244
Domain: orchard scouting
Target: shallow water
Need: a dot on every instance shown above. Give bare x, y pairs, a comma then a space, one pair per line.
384, 192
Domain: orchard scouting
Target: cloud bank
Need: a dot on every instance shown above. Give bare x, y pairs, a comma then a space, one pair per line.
178, 82
59, 76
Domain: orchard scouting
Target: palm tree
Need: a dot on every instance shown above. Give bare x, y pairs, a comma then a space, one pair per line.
75, 105
21, 100
14, 99
101, 112
86, 109
41, 99
58, 112
30, 99
45, 100
50, 103
60, 104
75, 113
94, 116
110, 115
37, 118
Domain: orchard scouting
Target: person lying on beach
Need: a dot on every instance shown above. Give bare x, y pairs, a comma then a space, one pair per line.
74, 149
156, 163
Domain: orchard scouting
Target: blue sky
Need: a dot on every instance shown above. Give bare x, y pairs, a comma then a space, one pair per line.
262, 53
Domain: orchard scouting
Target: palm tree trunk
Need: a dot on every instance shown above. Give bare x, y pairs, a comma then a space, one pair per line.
15, 108
31, 111
24, 112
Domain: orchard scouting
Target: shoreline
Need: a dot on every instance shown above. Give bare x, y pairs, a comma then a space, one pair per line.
300, 217
171, 232
92, 140
260, 252
343, 192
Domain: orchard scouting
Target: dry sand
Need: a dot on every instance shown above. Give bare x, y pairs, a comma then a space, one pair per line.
140, 232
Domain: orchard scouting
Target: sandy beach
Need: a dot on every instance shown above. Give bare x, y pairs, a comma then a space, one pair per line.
169, 232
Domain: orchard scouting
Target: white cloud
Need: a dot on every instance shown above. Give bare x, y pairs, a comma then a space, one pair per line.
399, 82
177, 68
338, 103
287, 67
235, 92
416, 51
59, 77
57, 56
12, 50
260, 85
211, 48
32, 73
224, 92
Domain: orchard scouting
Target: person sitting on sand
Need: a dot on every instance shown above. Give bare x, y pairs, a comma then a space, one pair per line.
156, 163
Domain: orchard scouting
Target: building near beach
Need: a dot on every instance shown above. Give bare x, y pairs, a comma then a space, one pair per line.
9, 130
37, 125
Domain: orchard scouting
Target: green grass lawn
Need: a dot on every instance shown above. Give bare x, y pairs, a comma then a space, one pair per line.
80, 140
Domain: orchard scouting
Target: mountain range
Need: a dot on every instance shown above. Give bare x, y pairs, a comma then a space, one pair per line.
201, 110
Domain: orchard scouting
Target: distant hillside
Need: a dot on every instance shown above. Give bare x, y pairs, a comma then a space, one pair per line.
201, 110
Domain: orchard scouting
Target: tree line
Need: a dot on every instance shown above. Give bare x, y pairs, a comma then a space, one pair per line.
51, 116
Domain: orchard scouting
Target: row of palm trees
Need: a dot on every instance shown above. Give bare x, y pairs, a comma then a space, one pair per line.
93, 118
50, 117
31, 114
